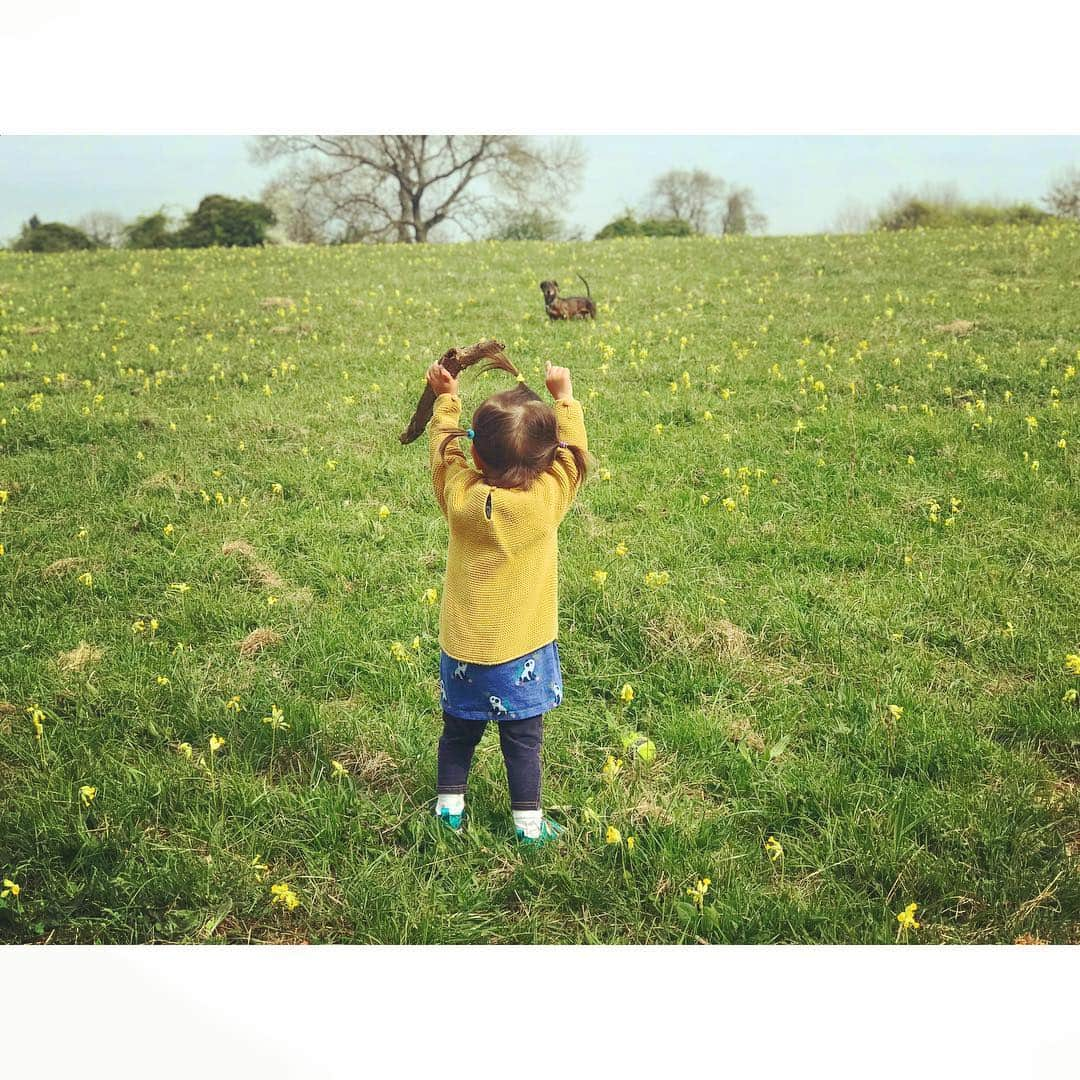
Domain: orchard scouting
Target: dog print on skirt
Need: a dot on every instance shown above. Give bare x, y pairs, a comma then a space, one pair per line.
527, 686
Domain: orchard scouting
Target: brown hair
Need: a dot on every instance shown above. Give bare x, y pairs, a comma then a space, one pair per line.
516, 436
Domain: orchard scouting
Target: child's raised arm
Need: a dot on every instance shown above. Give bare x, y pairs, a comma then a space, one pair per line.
445, 421
567, 469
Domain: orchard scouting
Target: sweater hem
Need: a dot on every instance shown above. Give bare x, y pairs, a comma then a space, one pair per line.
476, 658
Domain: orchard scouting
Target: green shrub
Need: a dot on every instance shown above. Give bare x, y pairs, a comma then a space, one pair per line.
150, 231
223, 222
628, 225
51, 236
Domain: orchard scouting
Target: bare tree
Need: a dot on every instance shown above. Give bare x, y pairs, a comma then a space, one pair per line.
1063, 198
402, 187
740, 213
103, 227
852, 217
694, 196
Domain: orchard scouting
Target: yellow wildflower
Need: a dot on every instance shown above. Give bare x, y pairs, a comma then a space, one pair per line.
627, 693
87, 794
384, 512
283, 894
87, 579
185, 749
216, 743
621, 550
612, 767
774, 848
10, 888
599, 576
896, 711
233, 704
1072, 663
906, 918
430, 596
169, 529
276, 719
697, 893
338, 769
612, 836
398, 651
630, 843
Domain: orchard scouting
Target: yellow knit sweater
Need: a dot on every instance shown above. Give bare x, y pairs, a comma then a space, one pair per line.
500, 597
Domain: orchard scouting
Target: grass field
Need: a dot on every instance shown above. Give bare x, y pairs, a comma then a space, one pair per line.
842, 549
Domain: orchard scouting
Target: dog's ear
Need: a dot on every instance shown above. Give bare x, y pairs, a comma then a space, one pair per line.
555, 284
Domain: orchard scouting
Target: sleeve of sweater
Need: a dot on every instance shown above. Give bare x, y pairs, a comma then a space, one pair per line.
446, 418
561, 480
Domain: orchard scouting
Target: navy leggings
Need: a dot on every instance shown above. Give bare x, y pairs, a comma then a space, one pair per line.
520, 740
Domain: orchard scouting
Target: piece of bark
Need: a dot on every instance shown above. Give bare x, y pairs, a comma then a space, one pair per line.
455, 361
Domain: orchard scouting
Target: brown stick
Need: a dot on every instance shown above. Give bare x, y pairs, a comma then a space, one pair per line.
455, 361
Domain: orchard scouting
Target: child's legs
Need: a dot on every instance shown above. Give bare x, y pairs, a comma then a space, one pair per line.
459, 739
521, 741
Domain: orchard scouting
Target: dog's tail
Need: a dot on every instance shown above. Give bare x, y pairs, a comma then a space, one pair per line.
587, 293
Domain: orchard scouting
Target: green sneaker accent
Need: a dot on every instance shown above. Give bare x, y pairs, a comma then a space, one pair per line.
451, 821
549, 831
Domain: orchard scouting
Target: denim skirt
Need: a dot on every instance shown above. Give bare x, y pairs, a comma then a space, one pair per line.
527, 686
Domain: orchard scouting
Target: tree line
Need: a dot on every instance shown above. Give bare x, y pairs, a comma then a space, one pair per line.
346, 189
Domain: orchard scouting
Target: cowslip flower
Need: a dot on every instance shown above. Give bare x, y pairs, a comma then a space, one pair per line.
654, 579
169, 529
626, 694
630, 843
774, 848
276, 719
430, 596
612, 767
338, 769
283, 894
612, 836
185, 749
179, 586
87, 579
398, 651
37, 717
87, 794
1072, 663
260, 868
906, 918
216, 743
730, 505
233, 704
10, 888
384, 512
621, 550
896, 711
697, 893
600, 576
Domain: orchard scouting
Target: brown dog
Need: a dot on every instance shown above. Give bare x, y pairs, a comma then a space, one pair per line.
567, 307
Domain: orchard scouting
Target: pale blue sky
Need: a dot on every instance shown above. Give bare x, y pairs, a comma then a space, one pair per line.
801, 181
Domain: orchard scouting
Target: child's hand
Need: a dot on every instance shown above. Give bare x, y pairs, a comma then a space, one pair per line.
440, 380
558, 382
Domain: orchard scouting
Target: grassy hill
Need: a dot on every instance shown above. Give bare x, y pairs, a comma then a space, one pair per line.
837, 506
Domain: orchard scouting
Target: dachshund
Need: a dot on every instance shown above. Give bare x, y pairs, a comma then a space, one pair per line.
567, 307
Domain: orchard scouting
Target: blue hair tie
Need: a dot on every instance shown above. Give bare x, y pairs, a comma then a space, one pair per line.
470, 433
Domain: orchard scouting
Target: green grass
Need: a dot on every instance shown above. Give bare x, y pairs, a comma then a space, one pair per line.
763, 670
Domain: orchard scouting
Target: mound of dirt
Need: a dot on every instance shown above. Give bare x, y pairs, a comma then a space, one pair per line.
259, 639
957, 326
79, 658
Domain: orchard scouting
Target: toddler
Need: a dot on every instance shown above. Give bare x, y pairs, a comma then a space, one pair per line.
498, 622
